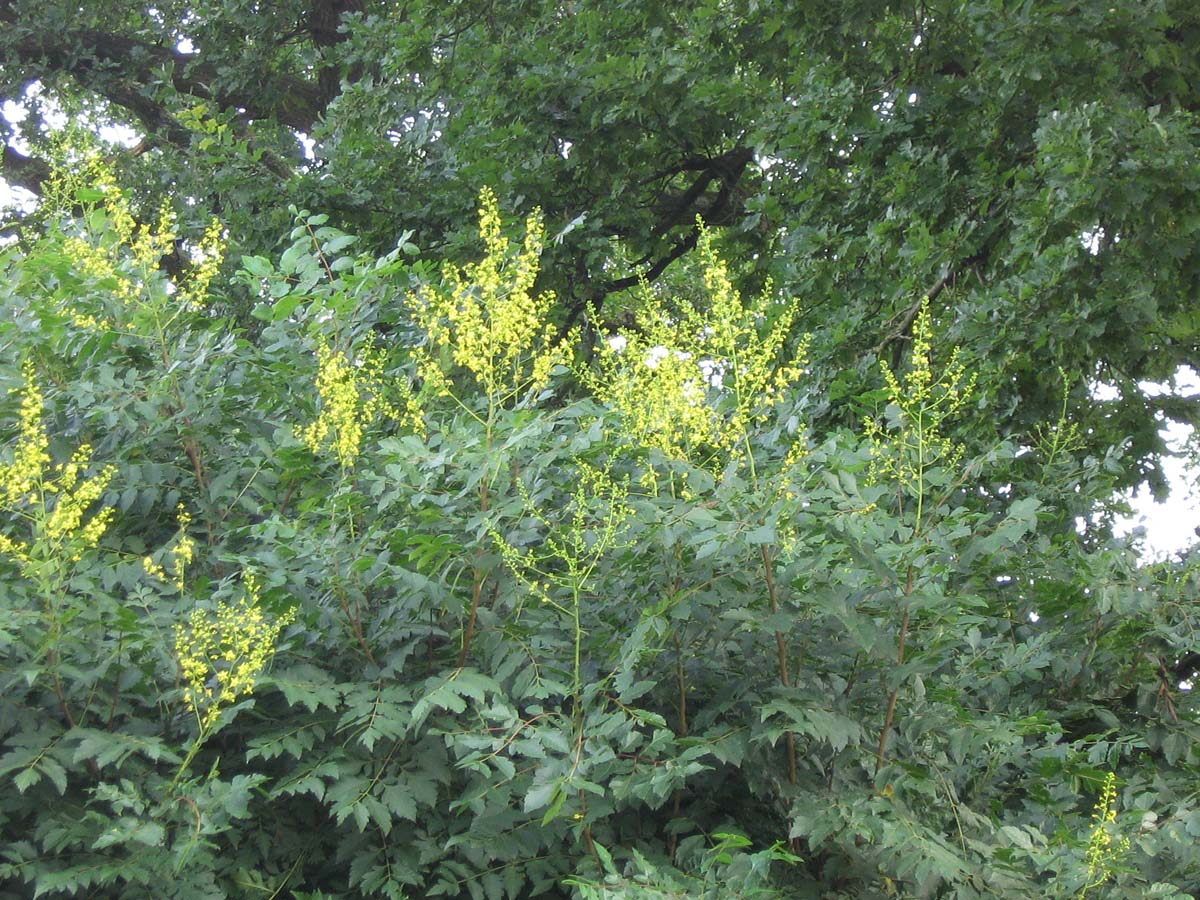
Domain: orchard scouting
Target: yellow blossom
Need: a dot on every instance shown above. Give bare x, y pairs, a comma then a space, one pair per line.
351, 399
153, 568
485, 319
223, 651
696, 381
922, 403
210, 253
52, 500
20, 478
1103, 851
115, 249
181, 554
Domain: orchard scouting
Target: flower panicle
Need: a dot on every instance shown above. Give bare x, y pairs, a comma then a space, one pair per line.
700, 380
486, 320
180, 555
223, 651
924, 401
54, 499
1104, 850
351, 395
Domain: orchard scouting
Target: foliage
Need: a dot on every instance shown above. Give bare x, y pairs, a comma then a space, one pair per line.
389, 590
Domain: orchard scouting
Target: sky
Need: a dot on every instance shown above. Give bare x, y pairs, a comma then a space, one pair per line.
1170, 526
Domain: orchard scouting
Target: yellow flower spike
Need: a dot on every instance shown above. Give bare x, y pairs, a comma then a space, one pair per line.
223, 651
181, 554
1103, 852
20, 478
53, 499
125, 255
926, 402
351, 399
154, 569
210, 254
485, 318
152, 244
700, 380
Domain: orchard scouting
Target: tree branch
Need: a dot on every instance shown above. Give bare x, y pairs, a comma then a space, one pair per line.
23, 171
88, 54
728, 168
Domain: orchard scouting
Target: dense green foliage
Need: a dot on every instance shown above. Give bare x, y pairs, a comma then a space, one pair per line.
357, 541
318, 613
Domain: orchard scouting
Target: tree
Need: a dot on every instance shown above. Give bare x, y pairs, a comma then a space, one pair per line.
714, 534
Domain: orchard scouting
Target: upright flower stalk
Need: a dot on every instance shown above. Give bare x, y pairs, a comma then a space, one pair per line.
222, 651
485, 320
1104, 851
51, 502
351, 399
48, 508
486, 324
915, 438
697, 382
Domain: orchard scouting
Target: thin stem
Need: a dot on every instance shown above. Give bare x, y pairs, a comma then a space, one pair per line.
577, 687
890, 716
785, 678
187, 760
478, 576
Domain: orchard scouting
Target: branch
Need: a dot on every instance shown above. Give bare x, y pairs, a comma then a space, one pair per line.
325, 19
902, 322
23, 171
87, 54
728, 168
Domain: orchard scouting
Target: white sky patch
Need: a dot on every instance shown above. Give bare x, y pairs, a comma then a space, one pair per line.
13, 112
1170, 527
307, 145
656, 355
122, 135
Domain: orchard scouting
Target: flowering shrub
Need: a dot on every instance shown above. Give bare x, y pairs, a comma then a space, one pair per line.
548, 627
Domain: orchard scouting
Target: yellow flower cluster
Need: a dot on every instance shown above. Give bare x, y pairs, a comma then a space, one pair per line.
53, 499
701, 379
222, 652
181, 554
1103, 852
146, 244
351, 399
661, 393
485, 320
102, 257
209, 255
924, 404
21, 478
